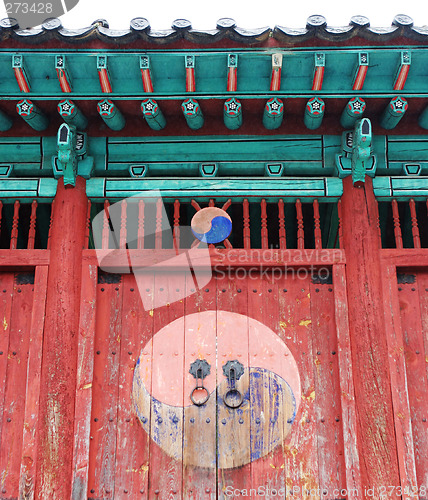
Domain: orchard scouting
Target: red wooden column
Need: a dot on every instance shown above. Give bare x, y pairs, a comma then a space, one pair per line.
375, 421
59, 364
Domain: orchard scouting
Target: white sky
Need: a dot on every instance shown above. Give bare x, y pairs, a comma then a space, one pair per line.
247, 13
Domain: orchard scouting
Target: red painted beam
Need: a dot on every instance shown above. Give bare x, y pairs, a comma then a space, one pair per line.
375, 419
60, 343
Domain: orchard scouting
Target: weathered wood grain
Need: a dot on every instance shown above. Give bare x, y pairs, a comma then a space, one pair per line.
399, 388
84, 382
31, 415
132, 454
300, 448
163, 426
24, 259
328, 410
347, 392
6, 295
102, 451
268, 406
375, 431
416, 374
15, 390
233, 424
200, 424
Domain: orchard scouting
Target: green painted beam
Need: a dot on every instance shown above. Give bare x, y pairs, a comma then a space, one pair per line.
401, 188
324, 189
27, 189
255, 67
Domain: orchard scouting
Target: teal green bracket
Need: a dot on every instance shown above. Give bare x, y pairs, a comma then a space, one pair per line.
232, 113
412, 169
71, 160
153, 114
325, 189
193, 114
352, 112
29, 112
66, 162
357, 158
111, 114
393, 113
274, 169
273, 113
208, 169
5, 121
138, 171
71, 114
314, 113
5, 170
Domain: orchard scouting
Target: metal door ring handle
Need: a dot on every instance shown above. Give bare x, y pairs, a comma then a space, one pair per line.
229, 394
203, 401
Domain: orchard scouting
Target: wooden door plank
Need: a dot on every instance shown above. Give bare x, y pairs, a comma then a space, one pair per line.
268, 471
399, 390
34, 368
102, 449
166, 422
6, 294
349, 415
132, 454
417, 383
84, 381
327, 390
234, 451
200, 426
16, 379
296, 330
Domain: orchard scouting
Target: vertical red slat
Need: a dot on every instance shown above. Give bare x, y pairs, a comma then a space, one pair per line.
50, 225
296, 331
416, 378
397, 227
300, 230
88, 225
398, 383
317, 227
84, 381
246, 214
339, 213
32, 230
14, 233
211, 203
415, 228
34, 368
141, 206
6, 295
264, 230
378, 224
132, 453
106, 229
105, 385
176, 234
282, 233
332, 468
122, 235
158, 235
166, 471
15, 390
199, 423
348, 406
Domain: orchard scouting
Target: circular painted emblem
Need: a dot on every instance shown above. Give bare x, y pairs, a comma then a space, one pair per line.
250, 396
211, 225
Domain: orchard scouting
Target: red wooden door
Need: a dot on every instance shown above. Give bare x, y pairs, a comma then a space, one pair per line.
148, 440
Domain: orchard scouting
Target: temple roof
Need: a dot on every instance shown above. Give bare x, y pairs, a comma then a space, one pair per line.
316, 31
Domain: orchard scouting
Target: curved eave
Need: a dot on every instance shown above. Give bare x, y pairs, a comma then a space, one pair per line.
316, 31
